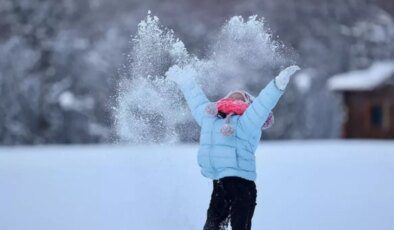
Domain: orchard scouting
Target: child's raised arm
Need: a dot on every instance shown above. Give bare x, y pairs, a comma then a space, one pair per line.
195, 97
257, 113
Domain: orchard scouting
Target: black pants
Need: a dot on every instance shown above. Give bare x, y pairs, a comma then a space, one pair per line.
233, 200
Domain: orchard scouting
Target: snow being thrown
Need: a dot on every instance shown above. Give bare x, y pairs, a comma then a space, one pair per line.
151, 109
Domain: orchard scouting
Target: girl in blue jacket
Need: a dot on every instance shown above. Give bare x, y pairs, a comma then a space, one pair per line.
231, 129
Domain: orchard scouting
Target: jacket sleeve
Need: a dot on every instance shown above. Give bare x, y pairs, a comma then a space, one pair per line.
195, 98
254, 117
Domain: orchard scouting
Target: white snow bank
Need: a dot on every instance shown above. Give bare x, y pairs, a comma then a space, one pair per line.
366, 79
301, 186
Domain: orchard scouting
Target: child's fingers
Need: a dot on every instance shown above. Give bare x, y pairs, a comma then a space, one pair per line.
291, 70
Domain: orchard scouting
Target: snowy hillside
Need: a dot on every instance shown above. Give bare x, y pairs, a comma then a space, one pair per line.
330, 185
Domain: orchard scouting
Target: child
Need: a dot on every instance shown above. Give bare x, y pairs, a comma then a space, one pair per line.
230, 133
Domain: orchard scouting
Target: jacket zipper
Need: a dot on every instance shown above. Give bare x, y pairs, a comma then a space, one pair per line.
210, 149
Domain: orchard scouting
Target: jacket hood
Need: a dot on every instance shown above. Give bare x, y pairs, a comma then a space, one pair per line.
248, 97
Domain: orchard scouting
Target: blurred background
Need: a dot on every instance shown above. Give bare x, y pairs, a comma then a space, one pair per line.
61, 61
74, 73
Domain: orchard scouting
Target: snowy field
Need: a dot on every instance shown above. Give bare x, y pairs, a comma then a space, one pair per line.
325, 185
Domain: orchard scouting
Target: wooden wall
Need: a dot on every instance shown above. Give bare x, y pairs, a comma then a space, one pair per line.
370, 114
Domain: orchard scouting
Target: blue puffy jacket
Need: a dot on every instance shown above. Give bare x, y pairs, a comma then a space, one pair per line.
221, 156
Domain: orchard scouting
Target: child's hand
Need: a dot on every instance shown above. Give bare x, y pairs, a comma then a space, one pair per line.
283, 78
178, 53
173, 73
289, 71
180, 75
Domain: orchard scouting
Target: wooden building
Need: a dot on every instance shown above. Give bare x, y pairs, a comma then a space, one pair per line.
369, 101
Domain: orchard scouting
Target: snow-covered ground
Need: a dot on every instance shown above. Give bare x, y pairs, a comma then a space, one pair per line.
325, 185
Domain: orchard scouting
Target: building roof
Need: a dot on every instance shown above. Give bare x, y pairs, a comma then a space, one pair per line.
363, 80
